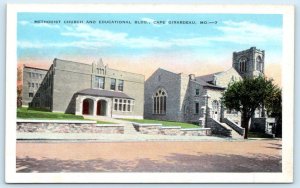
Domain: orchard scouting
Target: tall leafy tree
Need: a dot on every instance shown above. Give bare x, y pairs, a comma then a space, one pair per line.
273, 105
246, 96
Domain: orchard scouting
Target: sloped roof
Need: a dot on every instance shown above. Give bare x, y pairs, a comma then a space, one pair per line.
35, 67
208, 77
204, 79
205, 84
104, 93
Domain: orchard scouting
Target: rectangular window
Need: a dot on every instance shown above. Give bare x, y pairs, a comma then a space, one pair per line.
30, 95
197, 92
128, 106
154, 106
113, 84
120, 104
197, 108
124, 105
99, 83
36, 85
116, 104
120, 85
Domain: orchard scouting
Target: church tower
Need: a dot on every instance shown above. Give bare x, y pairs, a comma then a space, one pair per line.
249, 63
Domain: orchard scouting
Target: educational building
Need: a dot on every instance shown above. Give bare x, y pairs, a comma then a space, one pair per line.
84, 89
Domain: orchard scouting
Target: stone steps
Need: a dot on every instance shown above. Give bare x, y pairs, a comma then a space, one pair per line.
234, 134
129, 129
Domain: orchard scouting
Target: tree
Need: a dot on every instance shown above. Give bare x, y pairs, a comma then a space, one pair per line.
246, 96
273, 105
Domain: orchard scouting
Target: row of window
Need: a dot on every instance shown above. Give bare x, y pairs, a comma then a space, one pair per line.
34, 104
100, 83
123, 105
30, 95
34, 85
35, 75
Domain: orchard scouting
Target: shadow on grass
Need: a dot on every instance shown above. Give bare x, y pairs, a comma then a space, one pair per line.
175, 162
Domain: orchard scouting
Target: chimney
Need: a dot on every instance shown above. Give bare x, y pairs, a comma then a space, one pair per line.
192, 76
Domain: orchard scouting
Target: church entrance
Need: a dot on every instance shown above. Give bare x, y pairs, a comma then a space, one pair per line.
215, 110
101, 108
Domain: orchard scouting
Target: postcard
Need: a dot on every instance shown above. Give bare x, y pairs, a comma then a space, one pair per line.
149, 93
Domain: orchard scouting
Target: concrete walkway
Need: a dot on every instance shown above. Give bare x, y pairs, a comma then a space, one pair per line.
112, 137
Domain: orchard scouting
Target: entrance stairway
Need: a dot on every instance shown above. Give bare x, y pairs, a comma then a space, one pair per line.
233, 134
224, 129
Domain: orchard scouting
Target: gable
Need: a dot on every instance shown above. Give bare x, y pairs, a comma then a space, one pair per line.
223, 79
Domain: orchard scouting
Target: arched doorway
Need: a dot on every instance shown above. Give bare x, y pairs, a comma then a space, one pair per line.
87, 107
101, 108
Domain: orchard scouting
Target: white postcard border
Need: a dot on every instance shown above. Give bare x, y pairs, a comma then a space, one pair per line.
287, 85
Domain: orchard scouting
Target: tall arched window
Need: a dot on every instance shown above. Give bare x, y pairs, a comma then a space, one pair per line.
160, 101
243, 64
259, 65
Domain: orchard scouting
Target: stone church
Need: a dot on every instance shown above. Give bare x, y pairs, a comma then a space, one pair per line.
197, 99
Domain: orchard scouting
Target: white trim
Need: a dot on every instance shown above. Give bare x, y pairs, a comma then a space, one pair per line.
53, 121
171, 127
127, 117
109, 125
147, 124
194, 129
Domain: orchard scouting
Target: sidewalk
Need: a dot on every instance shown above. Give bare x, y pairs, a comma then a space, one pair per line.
111, 137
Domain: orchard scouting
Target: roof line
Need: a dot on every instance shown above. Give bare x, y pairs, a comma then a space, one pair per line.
92, 63
26, 66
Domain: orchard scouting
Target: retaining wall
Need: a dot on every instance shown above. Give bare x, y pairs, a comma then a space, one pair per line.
170, 130
64, 126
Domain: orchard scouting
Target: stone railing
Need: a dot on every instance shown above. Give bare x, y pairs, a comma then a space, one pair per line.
234, 126
67, 126
170, 130
218, 128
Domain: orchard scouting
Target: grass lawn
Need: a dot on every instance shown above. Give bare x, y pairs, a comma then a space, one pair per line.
164, 123
25, 113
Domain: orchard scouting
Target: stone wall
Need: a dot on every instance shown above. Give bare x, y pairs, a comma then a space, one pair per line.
147, 128
170, 130
57, 126
171, 83
196, 132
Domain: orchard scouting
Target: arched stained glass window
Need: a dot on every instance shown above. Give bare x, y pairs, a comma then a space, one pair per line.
160, 101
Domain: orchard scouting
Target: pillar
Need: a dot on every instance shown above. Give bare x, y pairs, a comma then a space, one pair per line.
95, 108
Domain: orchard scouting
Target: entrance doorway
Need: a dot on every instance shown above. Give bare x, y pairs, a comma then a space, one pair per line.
215, 110
101, 108
87, 107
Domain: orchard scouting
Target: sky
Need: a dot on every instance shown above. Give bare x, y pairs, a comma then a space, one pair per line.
150, 41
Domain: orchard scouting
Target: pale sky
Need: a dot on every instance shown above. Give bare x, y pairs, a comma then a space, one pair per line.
142, 48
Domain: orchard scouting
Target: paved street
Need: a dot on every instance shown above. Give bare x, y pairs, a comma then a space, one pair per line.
196, 156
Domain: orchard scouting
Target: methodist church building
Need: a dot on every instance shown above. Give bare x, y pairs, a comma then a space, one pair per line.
84, 89
197, 99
